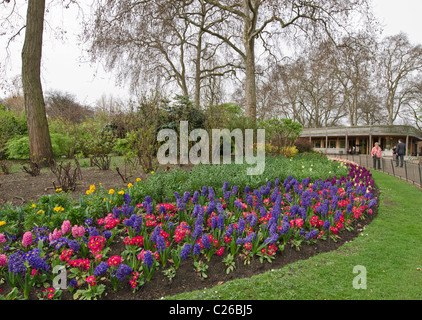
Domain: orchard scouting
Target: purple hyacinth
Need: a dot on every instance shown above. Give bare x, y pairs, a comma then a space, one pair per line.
196, 249
241, 226
213, 222
229, 230
148, 260
161, 244
116, 212
272, 239
220, 221
225, 186
36, 262
195, 197
310, 235
186, 197
74, 245
206, 242
16, 263
327, 224
123, 271
127, 199
101, 269
204, 191
184, 253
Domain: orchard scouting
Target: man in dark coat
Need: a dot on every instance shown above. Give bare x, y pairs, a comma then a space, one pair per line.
400, 151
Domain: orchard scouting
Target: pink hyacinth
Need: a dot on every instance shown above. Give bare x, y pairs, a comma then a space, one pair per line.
2, 238
66, 226
78, 231
27, 239
3, 260
57, 234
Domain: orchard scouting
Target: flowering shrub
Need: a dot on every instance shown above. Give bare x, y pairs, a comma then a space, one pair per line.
245, 223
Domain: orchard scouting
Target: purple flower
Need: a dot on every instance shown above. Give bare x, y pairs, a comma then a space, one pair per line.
195, 197
229, 230
220, 221
198, 227
116, 212
127, 199
107, 234
206, 242
225, 186
241, 226
327, 224
262, 212
101, 269
93, 232
213, 222
196, 249
186, 197
16, 263
74, 245
36, 262
204, 191
148, 258
272, 239
310, 235
372, 203
337, 215
126, 210
286, 225
123, 271
184, 253
161, 244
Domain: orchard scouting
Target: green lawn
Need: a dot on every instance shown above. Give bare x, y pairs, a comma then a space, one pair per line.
390, 249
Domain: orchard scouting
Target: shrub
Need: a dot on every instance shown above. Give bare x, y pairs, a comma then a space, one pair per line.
18, 146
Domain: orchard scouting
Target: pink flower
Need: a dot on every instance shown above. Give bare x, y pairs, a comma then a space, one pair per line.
27, 239
3, 260
65, 226
2, 238
57, 234
78, 231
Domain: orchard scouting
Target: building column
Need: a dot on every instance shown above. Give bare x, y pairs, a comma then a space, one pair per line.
407, 144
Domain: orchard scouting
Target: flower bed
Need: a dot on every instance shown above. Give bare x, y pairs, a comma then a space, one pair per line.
154, 236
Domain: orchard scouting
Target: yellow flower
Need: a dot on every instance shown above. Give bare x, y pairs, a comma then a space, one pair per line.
2, 223
88, 192
121, 192
59, 189
152, 172
57, 209
34, 205
92, 188
129, 185
138, 179
111, 191
40, 211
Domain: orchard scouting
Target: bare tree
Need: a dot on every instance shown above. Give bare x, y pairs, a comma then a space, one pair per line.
251, 19
399, 63
39, 137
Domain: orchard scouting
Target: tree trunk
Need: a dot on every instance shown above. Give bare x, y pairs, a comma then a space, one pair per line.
249, 44
39, 137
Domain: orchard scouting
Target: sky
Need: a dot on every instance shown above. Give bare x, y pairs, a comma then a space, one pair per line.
65, 67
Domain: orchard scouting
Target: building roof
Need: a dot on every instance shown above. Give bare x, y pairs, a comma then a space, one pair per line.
381, 130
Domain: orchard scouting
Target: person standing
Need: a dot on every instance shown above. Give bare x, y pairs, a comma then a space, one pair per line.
376, 154
400, 152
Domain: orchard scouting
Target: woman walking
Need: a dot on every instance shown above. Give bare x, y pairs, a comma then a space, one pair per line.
376, 155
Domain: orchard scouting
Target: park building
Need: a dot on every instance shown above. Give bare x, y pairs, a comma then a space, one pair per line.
361, 139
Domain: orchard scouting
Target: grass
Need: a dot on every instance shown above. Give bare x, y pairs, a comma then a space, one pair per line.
389, 248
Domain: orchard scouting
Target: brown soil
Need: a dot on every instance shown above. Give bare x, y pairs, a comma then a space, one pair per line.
20, 188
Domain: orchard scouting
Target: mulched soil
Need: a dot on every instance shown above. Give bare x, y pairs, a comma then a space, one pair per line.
20, 188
